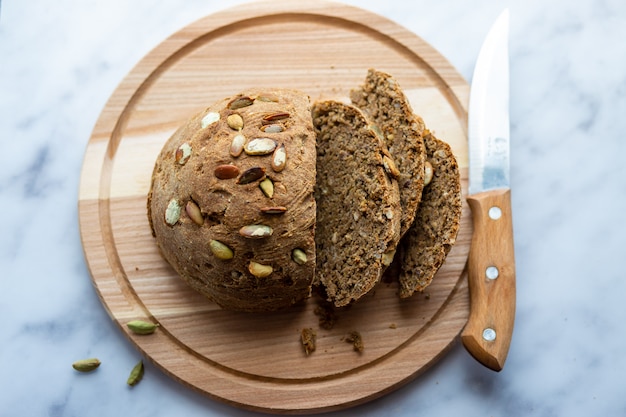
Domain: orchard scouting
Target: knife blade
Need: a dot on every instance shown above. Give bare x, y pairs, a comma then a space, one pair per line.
491, 262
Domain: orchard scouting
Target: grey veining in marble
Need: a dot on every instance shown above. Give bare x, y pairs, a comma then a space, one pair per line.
59, 63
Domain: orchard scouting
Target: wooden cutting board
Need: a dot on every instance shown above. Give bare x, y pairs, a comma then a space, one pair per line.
257, 361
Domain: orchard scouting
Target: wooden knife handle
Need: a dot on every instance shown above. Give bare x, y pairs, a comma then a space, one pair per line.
491, 275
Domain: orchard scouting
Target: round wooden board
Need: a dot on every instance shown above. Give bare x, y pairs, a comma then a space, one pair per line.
257, 361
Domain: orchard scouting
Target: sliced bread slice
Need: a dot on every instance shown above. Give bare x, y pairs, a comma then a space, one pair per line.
358, 203
425, 246
386, 106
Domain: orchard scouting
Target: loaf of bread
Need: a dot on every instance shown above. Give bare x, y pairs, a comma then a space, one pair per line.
384, 103
231, 202
358, 203
425, 246
261, 196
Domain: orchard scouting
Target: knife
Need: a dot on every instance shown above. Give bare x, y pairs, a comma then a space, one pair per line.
491, 262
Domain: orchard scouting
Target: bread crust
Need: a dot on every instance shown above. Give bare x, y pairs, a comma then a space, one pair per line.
351, 185
227, 204
386, 106
426, 245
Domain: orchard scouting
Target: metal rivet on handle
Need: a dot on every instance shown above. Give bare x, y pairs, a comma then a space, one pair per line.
489, 334
492, 272
495, 213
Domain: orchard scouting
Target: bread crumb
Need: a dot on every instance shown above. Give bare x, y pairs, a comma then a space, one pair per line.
357, 341
307, 336
326, 313
393, 326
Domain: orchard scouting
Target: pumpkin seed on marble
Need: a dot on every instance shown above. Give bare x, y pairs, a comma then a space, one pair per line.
136, 374
86, 365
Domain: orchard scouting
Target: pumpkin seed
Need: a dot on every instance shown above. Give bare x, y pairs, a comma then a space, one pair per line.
226, 172
209, 119
273, 117
298, 256
240, 102
183, 153
136, 374
387, 257
260, 146
194, 213
236, 147
260, 270
250, 175
172, 212
268, 98
267, 186
86, 365
141, 327
256, 231
428, 173
279, 158
390, 167
273, 128
235, 121
220, 250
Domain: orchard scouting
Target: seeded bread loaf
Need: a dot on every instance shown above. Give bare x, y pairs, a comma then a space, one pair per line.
358, 203
386, 106
231, 203
425, 246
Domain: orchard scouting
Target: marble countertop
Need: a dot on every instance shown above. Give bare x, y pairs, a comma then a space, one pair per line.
59, 63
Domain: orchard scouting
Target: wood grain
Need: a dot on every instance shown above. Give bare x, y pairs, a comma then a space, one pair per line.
256, 361
492, 300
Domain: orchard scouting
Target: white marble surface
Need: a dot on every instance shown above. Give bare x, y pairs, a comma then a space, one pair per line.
60, 61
